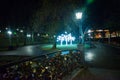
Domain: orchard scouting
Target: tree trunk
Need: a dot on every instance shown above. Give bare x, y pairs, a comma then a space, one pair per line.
54, 46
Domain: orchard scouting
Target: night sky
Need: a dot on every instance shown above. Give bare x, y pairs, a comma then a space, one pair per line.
105, 10
16, 11
19, 12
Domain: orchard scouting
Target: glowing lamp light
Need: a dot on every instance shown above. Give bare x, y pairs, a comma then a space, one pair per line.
6, 28
89, 31
78, 15
65, 32
28, 35
89, 34
100, 30
54, 36
9, 32
17, 29
38, 34
21, 31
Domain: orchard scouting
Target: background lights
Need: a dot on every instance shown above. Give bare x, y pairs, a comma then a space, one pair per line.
38, 34
28, 35
21, 31
89, 34
6, 28
89, 31
17, 29
54, 36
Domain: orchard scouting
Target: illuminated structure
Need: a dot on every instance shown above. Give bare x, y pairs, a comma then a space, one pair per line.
65, 37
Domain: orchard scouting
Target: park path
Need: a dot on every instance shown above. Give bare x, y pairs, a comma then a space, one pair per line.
104, 64
31, 50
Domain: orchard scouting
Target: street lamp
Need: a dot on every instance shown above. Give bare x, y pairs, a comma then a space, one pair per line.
28, 35
9, 33
21, 31
29, 38
79, 17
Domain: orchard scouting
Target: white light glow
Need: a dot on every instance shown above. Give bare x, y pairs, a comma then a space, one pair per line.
38, 34
54, 36
17, 29
47, 35
28, 35
89, 31
65, 32
78, 15
89, 34
100, 30
89, 56
9, 32
65, 37
6, 28
21, 31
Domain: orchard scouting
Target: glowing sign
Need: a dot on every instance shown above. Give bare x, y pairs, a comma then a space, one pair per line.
65, 37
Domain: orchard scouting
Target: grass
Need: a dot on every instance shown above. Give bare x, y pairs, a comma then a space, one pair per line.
59, 47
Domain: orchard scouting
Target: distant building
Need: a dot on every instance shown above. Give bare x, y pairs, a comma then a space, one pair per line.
102, 34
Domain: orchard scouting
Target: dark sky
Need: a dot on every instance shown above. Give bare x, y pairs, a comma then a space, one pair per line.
17, 12
102, 11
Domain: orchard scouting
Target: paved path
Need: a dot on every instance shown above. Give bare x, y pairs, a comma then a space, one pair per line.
103, 56
97, 74
103, 63
33, 50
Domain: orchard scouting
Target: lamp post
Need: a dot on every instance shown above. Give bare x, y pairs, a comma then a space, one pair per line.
9, 33
89, 34
79, 17
29, 36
